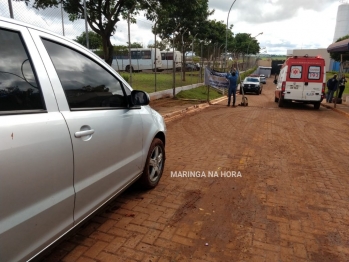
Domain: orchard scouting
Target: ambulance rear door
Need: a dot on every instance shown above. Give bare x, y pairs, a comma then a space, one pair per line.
294, 81
314, 74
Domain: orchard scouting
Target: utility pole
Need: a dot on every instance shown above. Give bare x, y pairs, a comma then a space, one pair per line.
226, 35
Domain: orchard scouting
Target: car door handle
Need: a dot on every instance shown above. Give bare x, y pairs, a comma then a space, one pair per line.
84, 133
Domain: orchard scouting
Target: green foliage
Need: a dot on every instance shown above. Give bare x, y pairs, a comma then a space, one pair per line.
336, 56
246, 73
162, 45
135, 45
199, 93
213, 32
102, 16
95, 40
172, 17
243, 43
126, 77
146, 81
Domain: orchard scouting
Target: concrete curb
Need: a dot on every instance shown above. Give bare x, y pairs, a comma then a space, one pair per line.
336, 110
177, 114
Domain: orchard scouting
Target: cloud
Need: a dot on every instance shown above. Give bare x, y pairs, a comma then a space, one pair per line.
269, 10
286, 24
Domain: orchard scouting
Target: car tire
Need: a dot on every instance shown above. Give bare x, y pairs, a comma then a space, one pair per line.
281, 102
154, 165
127, 69
317, 105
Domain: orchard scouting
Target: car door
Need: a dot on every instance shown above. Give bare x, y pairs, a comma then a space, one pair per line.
36, 159
106, 134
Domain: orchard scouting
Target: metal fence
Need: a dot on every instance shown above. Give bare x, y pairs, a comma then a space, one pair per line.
53, 19
57, 20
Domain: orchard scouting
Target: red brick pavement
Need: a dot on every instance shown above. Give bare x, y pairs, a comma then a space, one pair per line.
291, 203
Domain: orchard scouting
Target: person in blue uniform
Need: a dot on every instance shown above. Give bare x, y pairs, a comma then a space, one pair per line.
233, 80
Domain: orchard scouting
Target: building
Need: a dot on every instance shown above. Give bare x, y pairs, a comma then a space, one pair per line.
342, 21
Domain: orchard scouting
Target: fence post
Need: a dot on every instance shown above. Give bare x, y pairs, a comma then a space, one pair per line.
86, 28
10, 8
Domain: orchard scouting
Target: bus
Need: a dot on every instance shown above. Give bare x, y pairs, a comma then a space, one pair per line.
141, 59
167, 60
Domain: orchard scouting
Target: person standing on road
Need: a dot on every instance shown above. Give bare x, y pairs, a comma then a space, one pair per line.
332, 87
233, 79
341, 85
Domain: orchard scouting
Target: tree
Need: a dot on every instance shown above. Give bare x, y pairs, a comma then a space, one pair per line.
211, 31
95, 40
136, 45
162, 45
101, 16
171, 16
244, 44
337, 56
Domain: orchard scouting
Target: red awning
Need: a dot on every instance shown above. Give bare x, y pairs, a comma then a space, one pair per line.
339, 47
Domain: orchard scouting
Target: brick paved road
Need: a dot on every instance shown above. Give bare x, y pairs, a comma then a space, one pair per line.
291, 203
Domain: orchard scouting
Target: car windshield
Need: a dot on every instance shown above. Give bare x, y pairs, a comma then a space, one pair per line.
250, 79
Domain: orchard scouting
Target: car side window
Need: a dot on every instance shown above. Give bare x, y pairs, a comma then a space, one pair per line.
19, 88
86, 84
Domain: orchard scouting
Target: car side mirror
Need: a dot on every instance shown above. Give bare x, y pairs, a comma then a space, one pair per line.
275, 81
139, 98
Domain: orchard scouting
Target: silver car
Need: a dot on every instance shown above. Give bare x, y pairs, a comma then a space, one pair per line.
73, 136
263, 79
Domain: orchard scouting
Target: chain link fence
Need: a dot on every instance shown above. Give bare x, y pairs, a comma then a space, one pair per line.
53, 19
56, 20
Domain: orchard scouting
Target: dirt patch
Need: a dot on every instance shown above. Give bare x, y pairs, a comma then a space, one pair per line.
192, 196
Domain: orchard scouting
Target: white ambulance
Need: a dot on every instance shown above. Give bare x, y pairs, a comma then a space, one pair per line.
301, 79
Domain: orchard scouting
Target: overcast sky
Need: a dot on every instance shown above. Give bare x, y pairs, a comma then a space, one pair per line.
286, 24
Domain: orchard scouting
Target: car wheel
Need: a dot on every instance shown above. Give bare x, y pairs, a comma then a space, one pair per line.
317, 105
258, 92
154, 164
281, 102
127, 69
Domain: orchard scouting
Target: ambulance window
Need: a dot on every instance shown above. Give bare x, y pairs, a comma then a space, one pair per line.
296, 72
314, 72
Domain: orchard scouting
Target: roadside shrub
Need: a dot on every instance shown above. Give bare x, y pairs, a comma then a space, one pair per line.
126, 77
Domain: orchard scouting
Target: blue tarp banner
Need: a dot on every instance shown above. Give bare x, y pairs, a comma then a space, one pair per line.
215, 78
